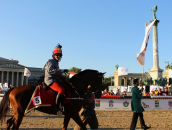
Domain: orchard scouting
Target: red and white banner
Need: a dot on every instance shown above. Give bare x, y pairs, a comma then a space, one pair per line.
72, 74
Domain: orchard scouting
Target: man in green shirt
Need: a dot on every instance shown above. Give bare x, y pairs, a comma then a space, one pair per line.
136, 107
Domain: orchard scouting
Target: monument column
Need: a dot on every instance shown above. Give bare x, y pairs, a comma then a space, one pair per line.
155, 72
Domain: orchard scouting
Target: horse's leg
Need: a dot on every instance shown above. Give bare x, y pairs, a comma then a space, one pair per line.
18, 119
9, 123
77, 119
66, 121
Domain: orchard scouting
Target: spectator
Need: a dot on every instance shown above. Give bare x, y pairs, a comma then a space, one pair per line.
166, 91
146, 94
153, 94
124, 94
159, 92
111, 93
152, 90
156, 92
105, 93
117, 93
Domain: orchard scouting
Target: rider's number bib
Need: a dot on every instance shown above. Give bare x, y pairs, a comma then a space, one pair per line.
37, 100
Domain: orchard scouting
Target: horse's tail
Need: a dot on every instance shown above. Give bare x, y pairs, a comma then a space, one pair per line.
4, 105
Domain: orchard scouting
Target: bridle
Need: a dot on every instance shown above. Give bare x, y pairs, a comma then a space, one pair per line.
96, 89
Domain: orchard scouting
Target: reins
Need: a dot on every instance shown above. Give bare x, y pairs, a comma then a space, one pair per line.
74, 89
78, 90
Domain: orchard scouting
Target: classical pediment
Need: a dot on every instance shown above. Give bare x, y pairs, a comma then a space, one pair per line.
10, 65
6, 63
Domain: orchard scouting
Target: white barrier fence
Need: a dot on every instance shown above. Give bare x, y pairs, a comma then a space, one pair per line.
153, 103
125, 104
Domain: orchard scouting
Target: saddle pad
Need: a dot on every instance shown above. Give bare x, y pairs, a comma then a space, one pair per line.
43, 98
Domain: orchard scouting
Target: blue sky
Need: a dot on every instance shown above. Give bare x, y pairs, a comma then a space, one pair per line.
95, 34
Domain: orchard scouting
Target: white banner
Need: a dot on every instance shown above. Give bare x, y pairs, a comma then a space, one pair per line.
141, 55
27, 72
122, 71
125, 104
170, 73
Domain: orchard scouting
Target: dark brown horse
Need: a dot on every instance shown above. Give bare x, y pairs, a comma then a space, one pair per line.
19, 98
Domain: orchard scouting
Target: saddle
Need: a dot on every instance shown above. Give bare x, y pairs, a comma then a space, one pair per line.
46, 87
44, 98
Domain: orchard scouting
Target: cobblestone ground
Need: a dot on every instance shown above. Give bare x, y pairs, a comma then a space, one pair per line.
108, 120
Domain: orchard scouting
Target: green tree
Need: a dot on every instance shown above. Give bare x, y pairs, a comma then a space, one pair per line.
73, 69
107, 82
161, 81
148, 81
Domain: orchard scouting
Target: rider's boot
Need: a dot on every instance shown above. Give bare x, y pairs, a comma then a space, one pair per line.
59, 98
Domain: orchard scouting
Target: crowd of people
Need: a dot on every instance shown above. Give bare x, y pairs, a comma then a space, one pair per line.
159, 92
154, 92
111, 93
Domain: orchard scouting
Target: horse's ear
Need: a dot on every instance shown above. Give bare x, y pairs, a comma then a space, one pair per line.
102, 74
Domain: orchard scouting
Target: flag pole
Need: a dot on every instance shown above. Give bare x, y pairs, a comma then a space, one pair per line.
142, 78
23, 75
143, 64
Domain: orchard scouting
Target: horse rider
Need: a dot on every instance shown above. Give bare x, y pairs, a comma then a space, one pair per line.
53, 76
87, 112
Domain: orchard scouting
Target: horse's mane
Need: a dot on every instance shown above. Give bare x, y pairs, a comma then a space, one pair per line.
81, 73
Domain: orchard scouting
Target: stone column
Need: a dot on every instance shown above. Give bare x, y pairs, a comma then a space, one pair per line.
12, 79
155, 72
8, 77
26, 80
125, 82
22, 78
119, 81
2, 78
131, 81
17, 79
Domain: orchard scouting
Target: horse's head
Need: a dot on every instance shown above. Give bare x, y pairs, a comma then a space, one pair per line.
97, 84
88, 77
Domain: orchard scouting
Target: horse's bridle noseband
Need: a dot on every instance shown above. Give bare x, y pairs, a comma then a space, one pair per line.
96, 89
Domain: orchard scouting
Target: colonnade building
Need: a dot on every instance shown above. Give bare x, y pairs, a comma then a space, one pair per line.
12, 72
132, 76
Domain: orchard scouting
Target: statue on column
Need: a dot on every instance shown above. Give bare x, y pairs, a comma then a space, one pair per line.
167, 66
154, 11
117, 66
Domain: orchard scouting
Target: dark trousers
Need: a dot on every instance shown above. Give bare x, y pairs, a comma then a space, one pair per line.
134, 120
91, 121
